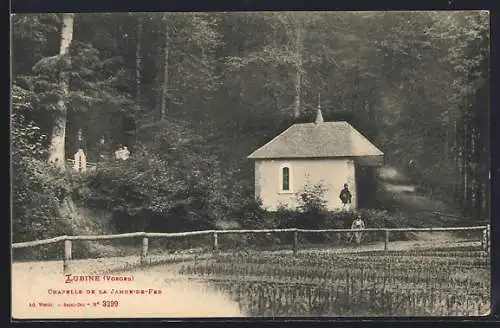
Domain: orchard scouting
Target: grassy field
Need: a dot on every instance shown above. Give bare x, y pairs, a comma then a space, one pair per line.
438, 282
436, 275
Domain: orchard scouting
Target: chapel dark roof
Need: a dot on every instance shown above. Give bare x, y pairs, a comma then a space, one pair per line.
320, 140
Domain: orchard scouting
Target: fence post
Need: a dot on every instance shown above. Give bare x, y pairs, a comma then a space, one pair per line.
67, 255
295, 242
144, 251
215, 241
386, 243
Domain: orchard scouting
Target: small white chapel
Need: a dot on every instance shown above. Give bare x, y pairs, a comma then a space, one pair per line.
327, 153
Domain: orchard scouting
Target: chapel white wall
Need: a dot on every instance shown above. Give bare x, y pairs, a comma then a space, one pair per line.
332, 173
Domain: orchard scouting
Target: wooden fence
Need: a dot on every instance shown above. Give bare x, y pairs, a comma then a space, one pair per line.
485, 239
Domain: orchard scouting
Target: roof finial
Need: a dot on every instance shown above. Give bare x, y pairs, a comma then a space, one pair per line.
319, 116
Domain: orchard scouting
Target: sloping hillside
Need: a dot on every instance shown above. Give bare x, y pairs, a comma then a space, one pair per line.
87, 221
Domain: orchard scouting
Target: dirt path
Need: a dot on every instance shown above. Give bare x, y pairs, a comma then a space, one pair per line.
404, 193
127, 263
37, 282
427, 242
399, 193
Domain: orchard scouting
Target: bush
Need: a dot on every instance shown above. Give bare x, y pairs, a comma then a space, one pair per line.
166, 186
310, 212
251, 215
41, 194
311, 199
285, 218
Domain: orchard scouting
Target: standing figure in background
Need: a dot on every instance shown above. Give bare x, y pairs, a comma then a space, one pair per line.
358, 224
125, 153
118, 152
345, 197
122, 153
80, 161
101, 148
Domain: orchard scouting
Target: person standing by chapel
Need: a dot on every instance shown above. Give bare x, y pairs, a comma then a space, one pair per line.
346, 197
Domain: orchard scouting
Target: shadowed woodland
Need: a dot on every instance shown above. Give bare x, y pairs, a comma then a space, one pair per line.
192, 94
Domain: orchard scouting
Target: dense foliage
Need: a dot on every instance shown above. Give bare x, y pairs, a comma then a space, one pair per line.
420, 282
171, 185
37, 189
192, 94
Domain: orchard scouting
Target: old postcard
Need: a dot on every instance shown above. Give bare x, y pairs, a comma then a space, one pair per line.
250, 164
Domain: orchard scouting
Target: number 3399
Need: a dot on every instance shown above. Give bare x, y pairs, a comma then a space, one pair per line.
110, 303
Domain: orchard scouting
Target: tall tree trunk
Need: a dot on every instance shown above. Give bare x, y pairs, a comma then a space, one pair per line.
164, 90
468, 167
158, 81
460, 158
456, 157
299, 71
485, 163
475, 171
138, 61
446, 144
463, 161
58, 137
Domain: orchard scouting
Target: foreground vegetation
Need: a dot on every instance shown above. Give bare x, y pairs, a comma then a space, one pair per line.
434, 282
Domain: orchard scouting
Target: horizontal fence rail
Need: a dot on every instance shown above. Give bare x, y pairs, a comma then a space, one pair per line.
485, 239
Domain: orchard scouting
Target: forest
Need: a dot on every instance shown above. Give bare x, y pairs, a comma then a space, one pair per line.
192, 94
